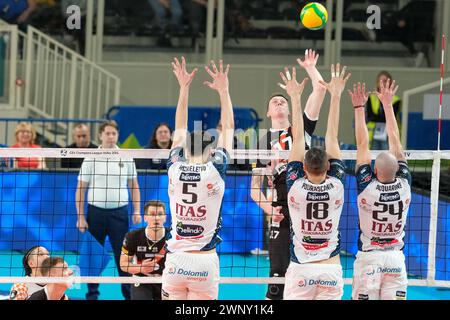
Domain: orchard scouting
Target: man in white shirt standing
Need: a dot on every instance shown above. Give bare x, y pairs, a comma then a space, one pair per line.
107, 182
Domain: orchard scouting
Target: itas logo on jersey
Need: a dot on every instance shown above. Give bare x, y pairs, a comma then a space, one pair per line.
315, 196
388, 197
189, 231
190, 177
190, 213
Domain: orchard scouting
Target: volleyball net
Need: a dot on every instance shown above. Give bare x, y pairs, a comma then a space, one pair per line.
38, 207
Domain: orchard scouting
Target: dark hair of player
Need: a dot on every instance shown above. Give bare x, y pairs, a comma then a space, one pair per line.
316, 160
27, 255
154, 203
49, 263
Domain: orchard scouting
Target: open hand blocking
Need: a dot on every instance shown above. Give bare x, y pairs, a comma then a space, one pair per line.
338, 80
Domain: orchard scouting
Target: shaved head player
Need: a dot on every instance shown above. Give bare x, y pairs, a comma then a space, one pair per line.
196, 188
384, 196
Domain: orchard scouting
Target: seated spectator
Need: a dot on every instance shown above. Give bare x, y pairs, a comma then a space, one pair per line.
54, 267
32, 262
160, 7
143, 251
81, 139
17, 11
197, 17
161, 139
25, 138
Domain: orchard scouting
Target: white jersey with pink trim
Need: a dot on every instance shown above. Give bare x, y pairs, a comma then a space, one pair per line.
315, 211
383, 209
196, 192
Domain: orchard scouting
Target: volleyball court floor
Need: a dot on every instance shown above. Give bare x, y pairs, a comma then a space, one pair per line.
243, 266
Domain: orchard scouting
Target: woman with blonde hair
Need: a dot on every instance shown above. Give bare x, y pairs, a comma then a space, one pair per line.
25, 138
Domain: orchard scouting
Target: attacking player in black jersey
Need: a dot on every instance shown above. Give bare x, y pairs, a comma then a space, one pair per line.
143, 251
280, 138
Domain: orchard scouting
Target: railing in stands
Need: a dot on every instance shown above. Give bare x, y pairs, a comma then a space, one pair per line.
64, 84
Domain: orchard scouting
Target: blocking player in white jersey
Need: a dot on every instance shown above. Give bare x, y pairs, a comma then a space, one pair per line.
315, 184
384, 196
196, 188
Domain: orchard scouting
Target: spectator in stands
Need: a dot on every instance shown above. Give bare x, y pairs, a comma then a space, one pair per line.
54, 267
414, 22
32, 262
376, 120
81, 139
25, 138
161, 139
144, 253
17, 11
161, 8
107, 182
197, 17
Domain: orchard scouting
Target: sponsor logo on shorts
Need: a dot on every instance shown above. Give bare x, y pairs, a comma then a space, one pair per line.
400, 295
189, 231
363, 297
171, 270
390, 272
318, 283
192, 275
302, 283
186, 176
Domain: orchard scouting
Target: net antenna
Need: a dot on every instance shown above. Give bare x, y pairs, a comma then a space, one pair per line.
441, 92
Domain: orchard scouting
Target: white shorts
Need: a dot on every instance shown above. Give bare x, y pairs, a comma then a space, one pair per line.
313, 281
191, 276
379, 275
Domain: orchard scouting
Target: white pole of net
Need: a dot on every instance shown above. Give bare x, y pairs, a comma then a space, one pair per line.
434, 210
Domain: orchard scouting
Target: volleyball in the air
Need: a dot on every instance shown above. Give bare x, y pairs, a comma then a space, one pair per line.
314, 16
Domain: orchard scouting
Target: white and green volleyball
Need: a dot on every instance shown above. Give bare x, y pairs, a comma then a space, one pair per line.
314, 16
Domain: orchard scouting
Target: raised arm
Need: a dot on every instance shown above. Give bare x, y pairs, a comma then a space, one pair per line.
220, 84
184, 80
295, 90
335, 87
359, 99
315, 99
386, 95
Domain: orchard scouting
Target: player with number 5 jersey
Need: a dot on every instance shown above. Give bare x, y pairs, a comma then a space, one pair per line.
315, 183
384, 197
196, 173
